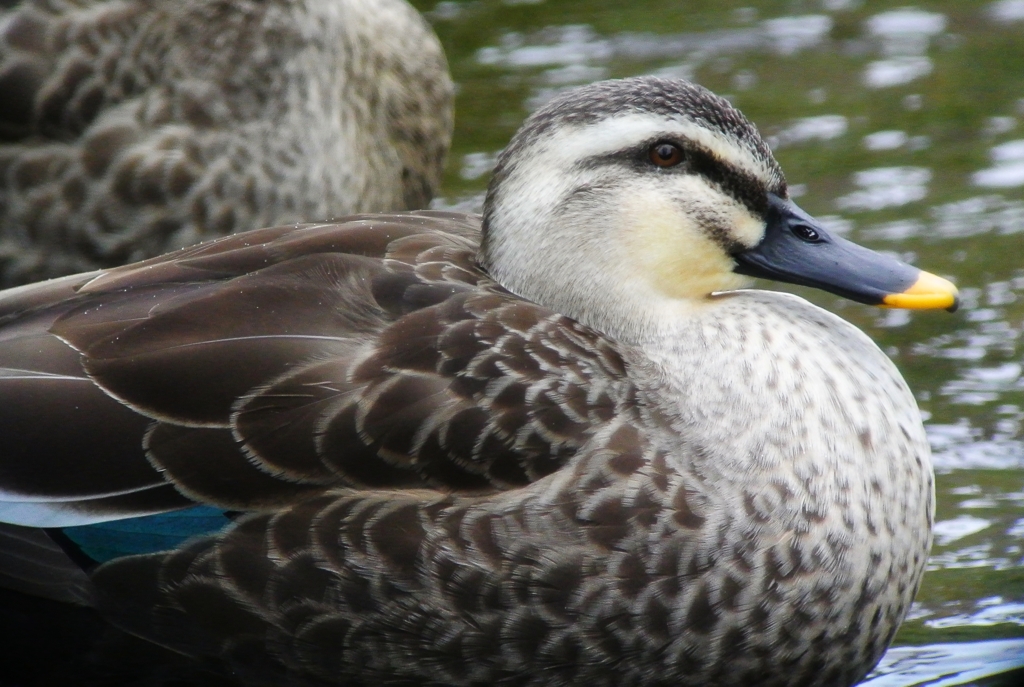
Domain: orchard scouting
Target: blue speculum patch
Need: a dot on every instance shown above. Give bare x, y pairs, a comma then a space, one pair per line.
147, 534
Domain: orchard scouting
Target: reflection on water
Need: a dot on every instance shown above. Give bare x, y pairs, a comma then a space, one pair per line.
574, 54
887, 140
990, 611
900, 125
1007, 166
1007, 10
819, 128
885, 187
904, 36
948, 531
946, 665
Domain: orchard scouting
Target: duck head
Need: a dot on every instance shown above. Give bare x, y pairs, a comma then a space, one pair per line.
626, 203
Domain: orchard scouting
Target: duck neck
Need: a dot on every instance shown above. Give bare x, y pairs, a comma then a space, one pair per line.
765, 384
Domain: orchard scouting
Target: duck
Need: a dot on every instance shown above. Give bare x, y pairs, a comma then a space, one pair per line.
560, 443
132, 128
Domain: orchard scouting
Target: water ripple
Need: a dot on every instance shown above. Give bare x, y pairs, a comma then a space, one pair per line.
560, 46
805, 129
886, 140
1007, 10
991, 611
961, 447
946, 665
884, 187
948, 531
896, 71
1008, 166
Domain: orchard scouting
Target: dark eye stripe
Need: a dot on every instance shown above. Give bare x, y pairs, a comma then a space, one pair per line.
742, 186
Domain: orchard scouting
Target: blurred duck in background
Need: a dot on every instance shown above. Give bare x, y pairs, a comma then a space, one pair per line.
132, 127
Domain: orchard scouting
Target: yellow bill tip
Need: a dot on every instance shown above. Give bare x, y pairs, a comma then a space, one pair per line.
929, 292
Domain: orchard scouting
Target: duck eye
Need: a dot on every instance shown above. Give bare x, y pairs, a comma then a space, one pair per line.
666, 154
806, 233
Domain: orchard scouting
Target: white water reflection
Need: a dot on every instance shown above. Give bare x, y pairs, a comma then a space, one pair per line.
574, 74
981, 455
946, 665
891, 318
790, 35
1008, 166
990, 611
476, 165
886, 140
962, 446
835, 224
977, 556
984, 502
978, 215
447, 10
980, 385
1000, 176
994, 126
578, 44
948, 531
1017, 530
896, 71
1007, 10
905, 31
841, 5
819, 128
904, 36
959, 219
884, 187
472, 203
897, 230
553, 46
572, 54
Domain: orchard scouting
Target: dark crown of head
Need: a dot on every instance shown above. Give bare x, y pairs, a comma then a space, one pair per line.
672, 98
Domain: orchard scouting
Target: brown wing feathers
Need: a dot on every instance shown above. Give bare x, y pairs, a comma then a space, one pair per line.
369, 389
370, 353
416, 587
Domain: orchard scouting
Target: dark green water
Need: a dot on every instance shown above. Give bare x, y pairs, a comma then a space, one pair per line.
903, 127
